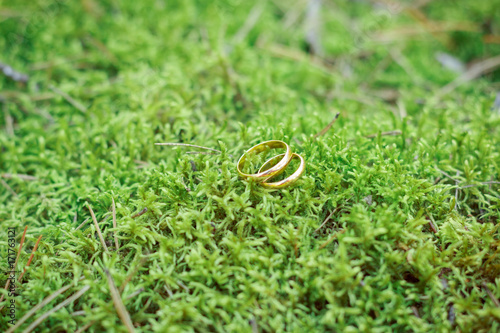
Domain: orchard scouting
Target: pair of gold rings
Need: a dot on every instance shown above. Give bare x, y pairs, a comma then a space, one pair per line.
273, 166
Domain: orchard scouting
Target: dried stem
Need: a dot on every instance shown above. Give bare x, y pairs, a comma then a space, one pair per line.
490, 294
327, 218
332, 238
117, 301
83, 223
135, 293
142, 212
67, 301
132, 273
396, 132
31, 257
40, 305
481, 184
186, 145
69, 99
98, 229
21, 176
86, 327
114, 224
4, 183
324, 130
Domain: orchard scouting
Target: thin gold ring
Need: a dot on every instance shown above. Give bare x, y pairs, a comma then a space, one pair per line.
287, 181
273, 171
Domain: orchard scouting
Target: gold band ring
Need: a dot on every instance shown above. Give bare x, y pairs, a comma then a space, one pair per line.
270, 172
287, 181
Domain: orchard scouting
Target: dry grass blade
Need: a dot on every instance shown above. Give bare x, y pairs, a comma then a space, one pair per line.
98, 229
61, 305
132, 273
282, 51
490, 294
21, 176
120, 308
69, 99
31, 257
200, 153
135, 293
324, 130
327, 218
4, 183
474, 185
312, 22
40, 305
9, 121
396, 132
142, 212
475, 71
7, 284
186, 145
255, 327
114, 224
250, 22
83, 223
447, 175
86, 327
332, 238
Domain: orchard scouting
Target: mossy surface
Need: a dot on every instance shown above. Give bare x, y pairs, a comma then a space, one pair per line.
413, 241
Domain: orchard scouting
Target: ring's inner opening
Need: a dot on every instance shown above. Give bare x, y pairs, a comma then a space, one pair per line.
254, 160
289, 170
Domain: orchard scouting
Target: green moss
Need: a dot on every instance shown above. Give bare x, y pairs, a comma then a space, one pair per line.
213, 252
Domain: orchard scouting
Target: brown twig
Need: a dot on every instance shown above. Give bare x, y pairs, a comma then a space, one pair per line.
332, 238
135, 293
69, 99
324, 130
83, 223
40, 305
250, 22
117, 301
9, 121
200, 153
86, 327
431, 224
396, 132
21, 176
113, 208
67, 301
169, 292
98, 229
142, 212
472, 73
132, 273
78, 313
4, 183
490, 294
312, 22
447, 175
481, 184
328, 218
13, 74
31, 257
186, 145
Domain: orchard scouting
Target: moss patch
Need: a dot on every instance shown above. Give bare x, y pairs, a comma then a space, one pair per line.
383, 232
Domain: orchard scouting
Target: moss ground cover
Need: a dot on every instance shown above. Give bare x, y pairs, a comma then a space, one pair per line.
393, 227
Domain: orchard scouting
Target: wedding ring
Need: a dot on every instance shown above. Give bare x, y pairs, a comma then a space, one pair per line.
287, 181
272, 170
